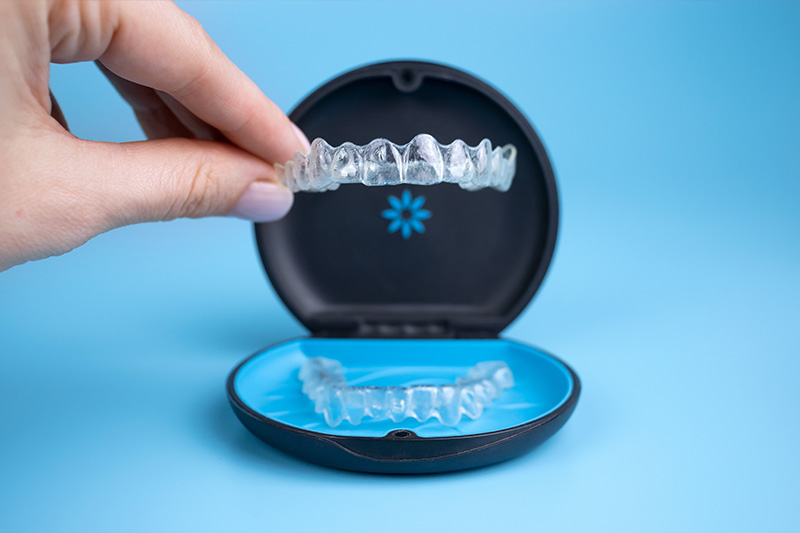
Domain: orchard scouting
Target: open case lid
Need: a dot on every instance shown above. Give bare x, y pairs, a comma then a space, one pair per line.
482, 254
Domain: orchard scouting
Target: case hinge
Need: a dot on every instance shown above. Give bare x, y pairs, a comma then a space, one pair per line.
405, 330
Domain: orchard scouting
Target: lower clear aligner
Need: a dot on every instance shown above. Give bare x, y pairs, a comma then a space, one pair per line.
423, 161
324, 383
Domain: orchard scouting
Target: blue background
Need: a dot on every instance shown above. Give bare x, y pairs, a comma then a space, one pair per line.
673, 129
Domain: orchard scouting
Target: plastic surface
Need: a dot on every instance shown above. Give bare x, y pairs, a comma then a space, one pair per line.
423, 161
325, 384
280, 415
268, 383
467, 269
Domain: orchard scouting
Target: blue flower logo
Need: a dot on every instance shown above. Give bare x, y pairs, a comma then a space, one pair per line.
406, 214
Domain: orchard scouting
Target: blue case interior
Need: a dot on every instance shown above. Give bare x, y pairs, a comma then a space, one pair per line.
268, 383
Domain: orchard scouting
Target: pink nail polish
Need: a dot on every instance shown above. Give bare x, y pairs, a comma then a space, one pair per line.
263, 201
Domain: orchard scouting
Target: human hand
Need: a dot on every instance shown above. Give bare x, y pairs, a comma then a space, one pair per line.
214, 132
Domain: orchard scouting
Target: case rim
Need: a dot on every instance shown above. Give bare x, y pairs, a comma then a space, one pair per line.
402, 451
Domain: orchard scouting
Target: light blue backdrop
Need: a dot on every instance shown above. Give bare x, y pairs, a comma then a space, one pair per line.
673, 129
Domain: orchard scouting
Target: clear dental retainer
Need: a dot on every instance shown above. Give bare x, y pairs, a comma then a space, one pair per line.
324, 383
423, 161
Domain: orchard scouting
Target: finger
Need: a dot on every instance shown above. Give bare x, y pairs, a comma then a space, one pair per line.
199, 129
160, 115
155, 117
78, 189
174, 178
158, 45
161, 123
56, 113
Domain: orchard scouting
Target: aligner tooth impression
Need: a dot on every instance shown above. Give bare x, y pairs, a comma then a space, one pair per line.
423, 161
325, 385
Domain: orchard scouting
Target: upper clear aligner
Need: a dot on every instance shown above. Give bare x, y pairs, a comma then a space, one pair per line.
423, 161
324, 383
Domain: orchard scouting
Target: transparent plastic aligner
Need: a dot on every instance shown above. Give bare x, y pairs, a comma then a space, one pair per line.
324, 383
423, 161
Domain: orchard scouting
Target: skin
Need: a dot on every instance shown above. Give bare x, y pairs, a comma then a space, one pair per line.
213, 134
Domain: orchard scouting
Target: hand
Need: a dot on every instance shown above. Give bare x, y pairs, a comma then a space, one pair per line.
215, 133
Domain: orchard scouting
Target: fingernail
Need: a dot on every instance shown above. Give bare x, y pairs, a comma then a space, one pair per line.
302, 138
263, 201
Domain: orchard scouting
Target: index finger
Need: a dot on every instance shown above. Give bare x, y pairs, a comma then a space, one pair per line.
163, 47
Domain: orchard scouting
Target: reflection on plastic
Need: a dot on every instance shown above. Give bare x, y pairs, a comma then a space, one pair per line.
324, 383
423, 161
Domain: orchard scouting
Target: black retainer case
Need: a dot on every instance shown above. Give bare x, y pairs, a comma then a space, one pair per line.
394, 304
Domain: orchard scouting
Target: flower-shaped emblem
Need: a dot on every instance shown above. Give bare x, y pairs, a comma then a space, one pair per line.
406, 214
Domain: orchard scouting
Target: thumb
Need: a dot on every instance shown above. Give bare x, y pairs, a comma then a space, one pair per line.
173, 178
59, 191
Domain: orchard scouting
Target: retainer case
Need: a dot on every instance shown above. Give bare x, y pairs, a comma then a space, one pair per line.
410, 284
